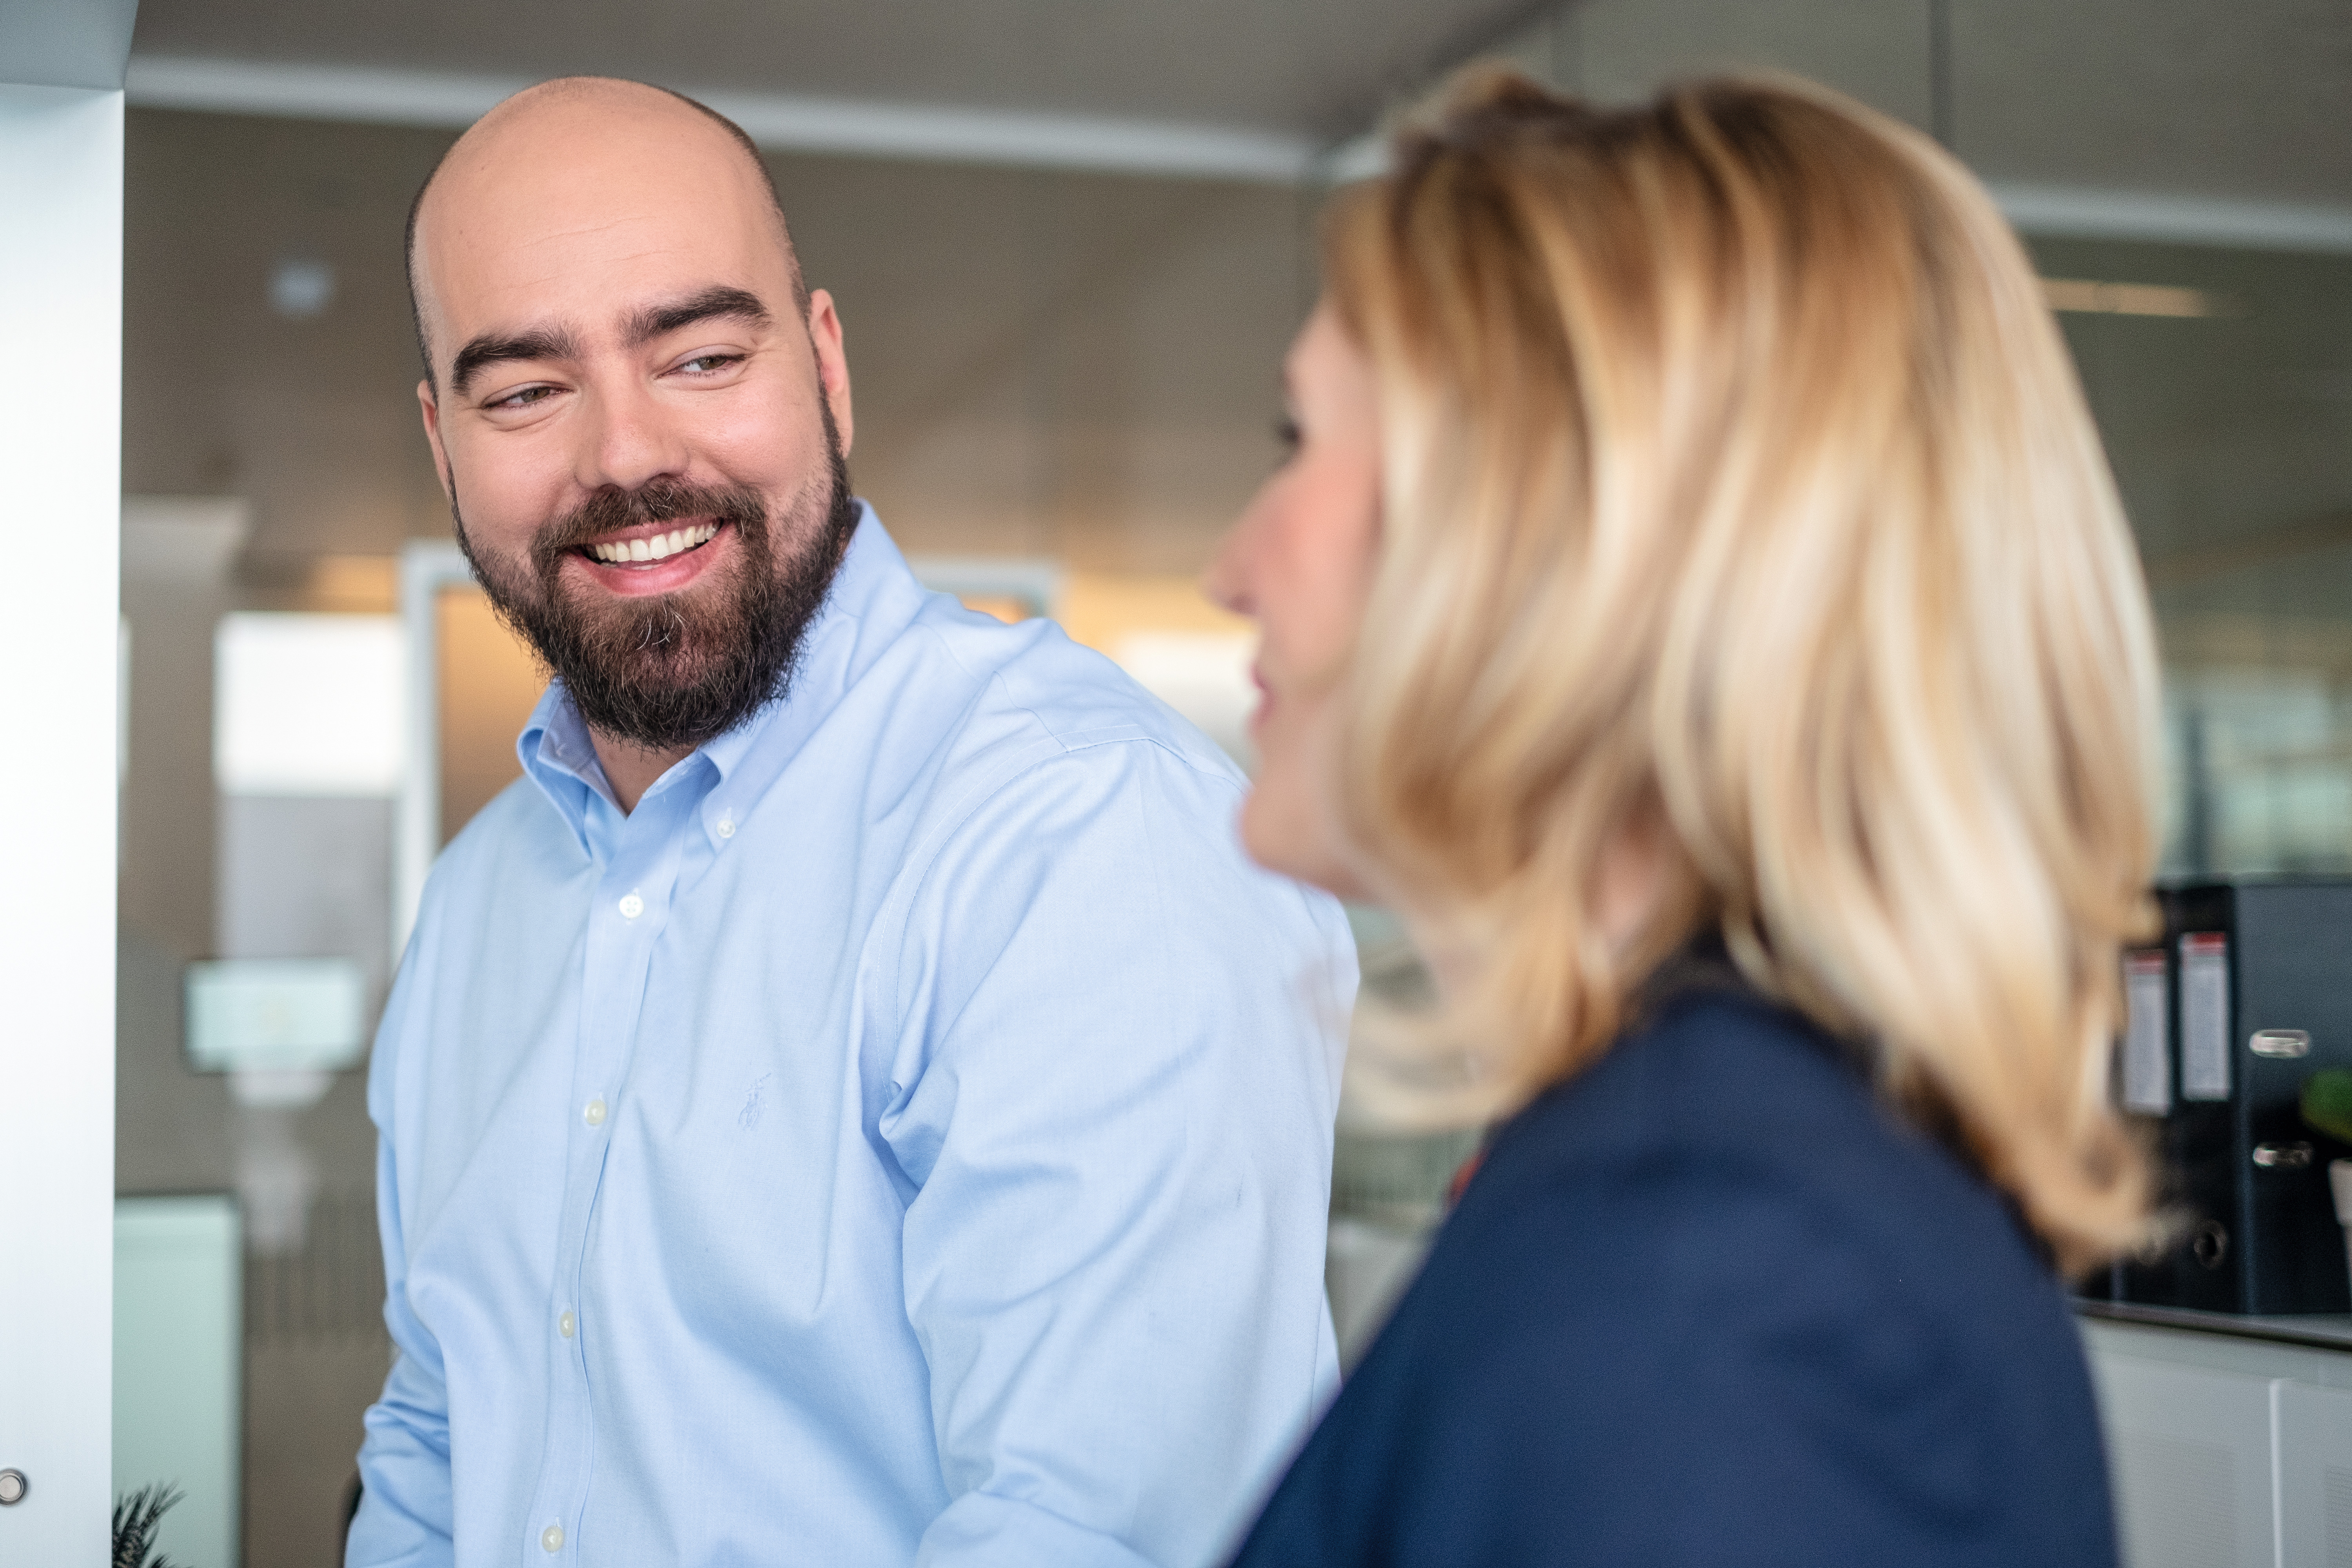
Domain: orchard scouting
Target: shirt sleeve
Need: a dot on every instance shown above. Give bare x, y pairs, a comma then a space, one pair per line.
1119, 1073
404, 1519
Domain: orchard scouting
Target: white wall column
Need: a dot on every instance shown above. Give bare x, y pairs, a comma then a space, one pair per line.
60, 453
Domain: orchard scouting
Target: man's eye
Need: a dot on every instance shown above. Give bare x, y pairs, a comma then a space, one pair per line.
703, 364
525, 398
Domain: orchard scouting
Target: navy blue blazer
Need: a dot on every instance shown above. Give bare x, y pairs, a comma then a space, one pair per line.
1710, 1302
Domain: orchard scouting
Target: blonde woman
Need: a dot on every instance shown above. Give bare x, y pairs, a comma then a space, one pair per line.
1698, 601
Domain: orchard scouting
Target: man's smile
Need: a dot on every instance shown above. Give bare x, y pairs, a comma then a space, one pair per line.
653, 547
655, 557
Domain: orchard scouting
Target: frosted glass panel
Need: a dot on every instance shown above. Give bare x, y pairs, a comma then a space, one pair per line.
308, 704
255, 1014
178, 1334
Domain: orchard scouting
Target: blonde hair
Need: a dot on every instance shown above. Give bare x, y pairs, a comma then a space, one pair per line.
1739, 496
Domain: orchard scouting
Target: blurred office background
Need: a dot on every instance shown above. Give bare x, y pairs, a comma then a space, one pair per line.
1069, 243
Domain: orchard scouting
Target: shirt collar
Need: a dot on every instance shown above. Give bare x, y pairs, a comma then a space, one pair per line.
873, 597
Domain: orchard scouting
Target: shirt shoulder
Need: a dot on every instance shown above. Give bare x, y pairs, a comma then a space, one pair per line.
1066, 790
1025, 754
1031, 674
518, 832
514, 855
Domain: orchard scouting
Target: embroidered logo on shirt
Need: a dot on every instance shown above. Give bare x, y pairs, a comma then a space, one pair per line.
748, 1117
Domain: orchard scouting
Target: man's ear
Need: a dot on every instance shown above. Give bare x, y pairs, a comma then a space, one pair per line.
832, 363
431, 411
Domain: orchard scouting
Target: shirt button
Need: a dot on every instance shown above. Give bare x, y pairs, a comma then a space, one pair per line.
632, 906
551, 1538
594, 1115
566, 1324
726, 826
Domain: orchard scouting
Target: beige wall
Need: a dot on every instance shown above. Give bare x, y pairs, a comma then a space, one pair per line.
489, 683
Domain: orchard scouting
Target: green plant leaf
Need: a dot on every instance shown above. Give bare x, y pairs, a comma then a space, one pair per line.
2327, 1102
136, 1519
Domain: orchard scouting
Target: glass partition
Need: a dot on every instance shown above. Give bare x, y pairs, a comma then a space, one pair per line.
2222, 380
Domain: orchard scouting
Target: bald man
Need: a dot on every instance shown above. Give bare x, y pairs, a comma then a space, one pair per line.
850, 1101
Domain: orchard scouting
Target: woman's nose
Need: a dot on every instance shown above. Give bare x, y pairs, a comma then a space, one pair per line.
1226, 581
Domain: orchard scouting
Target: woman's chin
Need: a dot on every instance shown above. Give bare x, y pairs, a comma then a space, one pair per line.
1291, 835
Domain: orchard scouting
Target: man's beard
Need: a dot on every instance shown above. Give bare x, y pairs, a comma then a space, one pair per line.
667, 674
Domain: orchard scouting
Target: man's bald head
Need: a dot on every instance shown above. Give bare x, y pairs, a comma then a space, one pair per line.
533, 122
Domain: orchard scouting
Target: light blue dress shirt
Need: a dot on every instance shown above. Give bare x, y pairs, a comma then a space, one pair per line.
904, 1137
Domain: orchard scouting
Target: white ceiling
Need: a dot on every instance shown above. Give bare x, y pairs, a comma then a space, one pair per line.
1313, 68
2180, 120
2242, 101
2227, 117
2222, 98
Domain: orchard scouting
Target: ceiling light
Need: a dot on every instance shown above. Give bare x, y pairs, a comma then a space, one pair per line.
301, 289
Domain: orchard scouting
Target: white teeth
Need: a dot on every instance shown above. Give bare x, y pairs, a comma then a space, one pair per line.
671, 543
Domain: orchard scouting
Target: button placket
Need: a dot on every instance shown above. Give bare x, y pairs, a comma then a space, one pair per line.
638, 877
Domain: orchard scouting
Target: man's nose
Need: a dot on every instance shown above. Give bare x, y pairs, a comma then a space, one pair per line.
627, 438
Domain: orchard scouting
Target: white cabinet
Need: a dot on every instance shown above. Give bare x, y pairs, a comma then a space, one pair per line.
2314, 1474
2228, 1450
2189, 1451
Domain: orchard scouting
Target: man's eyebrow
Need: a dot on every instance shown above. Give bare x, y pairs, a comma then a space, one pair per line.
718, 303
491, 348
